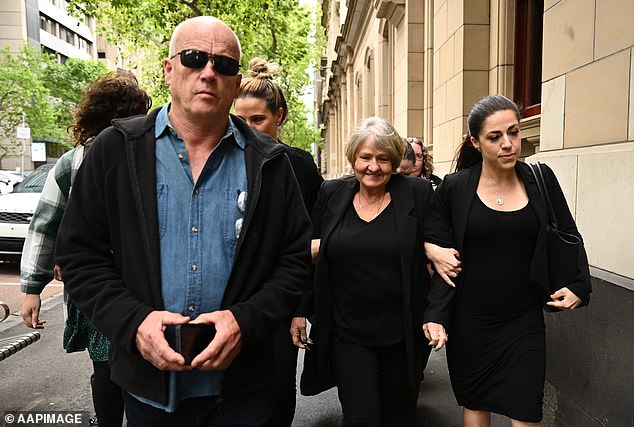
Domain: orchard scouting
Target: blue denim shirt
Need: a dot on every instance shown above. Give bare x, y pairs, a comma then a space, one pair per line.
198, 228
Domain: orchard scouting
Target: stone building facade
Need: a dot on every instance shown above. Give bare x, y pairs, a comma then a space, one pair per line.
421, 64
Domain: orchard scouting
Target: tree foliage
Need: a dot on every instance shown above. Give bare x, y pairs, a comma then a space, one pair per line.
44, 90
283, 31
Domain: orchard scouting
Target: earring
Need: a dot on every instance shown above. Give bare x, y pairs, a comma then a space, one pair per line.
277, 123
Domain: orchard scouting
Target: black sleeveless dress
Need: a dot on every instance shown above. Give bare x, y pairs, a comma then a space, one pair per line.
496, 351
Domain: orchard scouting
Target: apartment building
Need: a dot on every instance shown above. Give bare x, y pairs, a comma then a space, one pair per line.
47, 24
570, 64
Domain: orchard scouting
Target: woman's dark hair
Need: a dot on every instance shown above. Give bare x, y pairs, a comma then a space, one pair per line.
114, 95
261, 84
467, 155
409, 153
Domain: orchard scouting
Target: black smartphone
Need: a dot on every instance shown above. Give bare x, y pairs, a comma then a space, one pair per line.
192, 339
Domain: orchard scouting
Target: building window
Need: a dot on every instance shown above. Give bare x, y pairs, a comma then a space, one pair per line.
48, 25
527, 79
67, 35
84, 45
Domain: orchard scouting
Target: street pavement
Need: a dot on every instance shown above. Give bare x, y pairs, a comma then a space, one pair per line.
43, 376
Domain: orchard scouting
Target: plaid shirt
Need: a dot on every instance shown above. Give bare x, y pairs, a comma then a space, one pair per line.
36, 268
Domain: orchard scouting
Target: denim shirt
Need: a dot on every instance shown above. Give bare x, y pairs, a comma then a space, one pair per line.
199, 227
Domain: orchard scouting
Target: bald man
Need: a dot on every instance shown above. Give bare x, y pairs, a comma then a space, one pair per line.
187, 216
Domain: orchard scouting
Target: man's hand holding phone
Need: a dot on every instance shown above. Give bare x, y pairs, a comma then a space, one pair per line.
192, 339
224, 347
151, 342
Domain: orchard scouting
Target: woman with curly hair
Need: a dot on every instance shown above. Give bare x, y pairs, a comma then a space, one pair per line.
114, 95
424, 165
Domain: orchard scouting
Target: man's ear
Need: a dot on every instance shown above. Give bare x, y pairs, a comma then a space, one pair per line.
167, 71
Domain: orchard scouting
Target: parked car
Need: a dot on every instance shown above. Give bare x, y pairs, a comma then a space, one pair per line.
16, 212
8, 180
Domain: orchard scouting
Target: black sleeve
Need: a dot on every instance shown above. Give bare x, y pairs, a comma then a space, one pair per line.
319, 209
84, 246
582, 286
312, 184
437, 230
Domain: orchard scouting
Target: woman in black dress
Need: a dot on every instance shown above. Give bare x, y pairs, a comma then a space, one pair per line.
496, 354
371, 282
262, 105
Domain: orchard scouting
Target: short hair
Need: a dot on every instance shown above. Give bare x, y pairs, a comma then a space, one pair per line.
113, 96
384, 135
260, 84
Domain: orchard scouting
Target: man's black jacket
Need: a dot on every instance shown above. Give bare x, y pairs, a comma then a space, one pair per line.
108, 249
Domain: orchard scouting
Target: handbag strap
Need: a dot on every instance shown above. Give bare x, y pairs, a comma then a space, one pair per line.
543, 191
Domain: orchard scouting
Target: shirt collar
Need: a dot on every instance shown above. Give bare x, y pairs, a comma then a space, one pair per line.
163, 125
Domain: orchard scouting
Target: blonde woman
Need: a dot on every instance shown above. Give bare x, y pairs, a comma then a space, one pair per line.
261, 103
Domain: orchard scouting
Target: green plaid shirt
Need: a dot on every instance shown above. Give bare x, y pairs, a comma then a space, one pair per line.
36, 268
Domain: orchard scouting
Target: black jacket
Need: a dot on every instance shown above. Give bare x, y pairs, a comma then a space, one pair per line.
456, 194
417, 220
108, 248
307, 174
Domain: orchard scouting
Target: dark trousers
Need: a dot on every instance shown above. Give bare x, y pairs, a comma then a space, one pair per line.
106, 396
372, 383
249, 411
285, 385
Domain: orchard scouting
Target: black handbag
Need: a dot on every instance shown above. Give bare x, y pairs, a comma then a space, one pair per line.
312, 381
563, 248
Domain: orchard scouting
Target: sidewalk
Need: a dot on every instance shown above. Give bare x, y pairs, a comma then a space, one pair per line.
436, 404
44, 377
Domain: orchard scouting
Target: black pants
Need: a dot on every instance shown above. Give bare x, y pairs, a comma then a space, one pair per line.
285, 385
372, 383
106, 396
248, 411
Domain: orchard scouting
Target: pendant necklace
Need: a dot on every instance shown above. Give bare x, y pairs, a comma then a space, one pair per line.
500, 200
377, 210
499, 194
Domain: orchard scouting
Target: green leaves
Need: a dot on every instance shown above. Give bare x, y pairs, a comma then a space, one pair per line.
44, 90
283, 31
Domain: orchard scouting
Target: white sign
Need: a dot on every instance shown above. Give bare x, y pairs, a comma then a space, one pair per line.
24, 132
38, 151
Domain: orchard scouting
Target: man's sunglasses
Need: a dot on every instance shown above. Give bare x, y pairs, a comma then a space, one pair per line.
196, 59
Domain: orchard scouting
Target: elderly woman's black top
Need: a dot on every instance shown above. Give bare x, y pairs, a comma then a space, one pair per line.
365, 278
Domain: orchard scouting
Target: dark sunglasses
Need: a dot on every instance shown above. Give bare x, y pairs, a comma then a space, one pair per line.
196, 59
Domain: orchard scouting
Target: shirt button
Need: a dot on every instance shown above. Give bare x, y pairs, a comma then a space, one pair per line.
195, 190
194, 229
180, 156
194, 267
191, 308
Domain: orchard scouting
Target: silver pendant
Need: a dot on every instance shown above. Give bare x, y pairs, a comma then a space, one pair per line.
500, 202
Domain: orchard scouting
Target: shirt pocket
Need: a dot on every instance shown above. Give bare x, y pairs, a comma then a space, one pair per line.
162, 201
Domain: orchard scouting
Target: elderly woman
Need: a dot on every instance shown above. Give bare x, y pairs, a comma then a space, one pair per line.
371, 281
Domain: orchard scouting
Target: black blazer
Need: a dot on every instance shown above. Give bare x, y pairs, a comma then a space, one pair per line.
456, 194
417, 220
